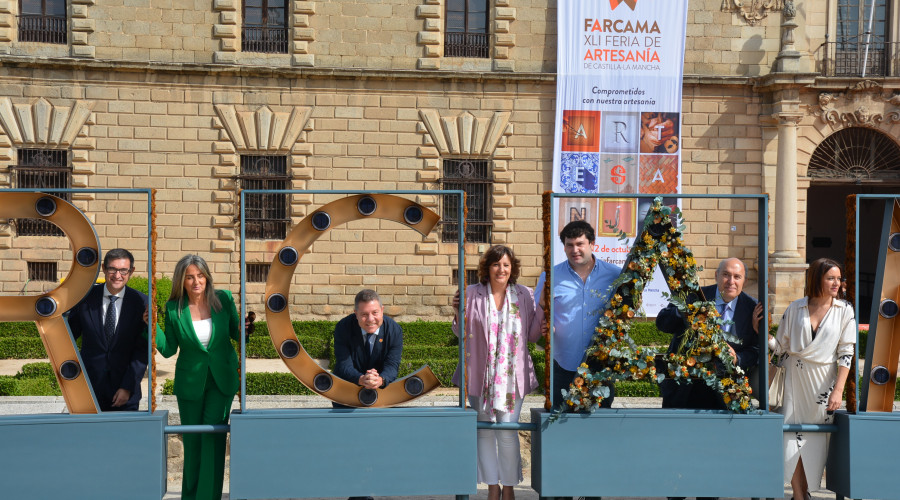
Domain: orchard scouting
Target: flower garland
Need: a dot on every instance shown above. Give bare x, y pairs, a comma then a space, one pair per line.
704, 354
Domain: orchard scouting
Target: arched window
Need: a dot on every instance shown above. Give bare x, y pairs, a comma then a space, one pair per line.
858, 154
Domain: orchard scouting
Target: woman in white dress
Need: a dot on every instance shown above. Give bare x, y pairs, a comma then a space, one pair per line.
815, 339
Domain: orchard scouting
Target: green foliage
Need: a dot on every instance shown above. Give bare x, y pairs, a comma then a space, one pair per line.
163, 290
434, 333
863, 343
260, 346
431, 352
321, 329
271, 384
168, 388
36, 387
443, 368
8, 385
637, 389
36, 370
19, 329
35, 379
21, 348
646, 333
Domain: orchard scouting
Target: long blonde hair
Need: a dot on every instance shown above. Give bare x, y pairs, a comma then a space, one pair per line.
178, 294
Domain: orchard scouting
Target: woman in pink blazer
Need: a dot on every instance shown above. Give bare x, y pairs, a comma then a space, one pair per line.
501, 318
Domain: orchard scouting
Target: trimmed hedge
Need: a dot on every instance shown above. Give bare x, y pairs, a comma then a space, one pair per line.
646, 333
163, 290
433, 333
35, 379
260, 346
431, 352
36, 370
19, 329
21, 348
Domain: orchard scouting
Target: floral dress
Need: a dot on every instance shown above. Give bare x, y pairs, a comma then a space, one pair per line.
811, 362
499, 394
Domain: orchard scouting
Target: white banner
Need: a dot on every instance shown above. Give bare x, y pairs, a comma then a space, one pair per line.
618, 117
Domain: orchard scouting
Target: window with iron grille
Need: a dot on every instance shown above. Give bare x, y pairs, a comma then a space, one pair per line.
477, 180
466, 33
267, 215
42, 271
265, 27
471, 276
42, 169
257, 272
42, 21
857, 47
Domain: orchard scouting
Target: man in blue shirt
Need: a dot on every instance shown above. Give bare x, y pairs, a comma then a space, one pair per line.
581, 288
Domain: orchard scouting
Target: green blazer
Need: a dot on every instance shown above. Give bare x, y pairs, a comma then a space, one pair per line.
195, 361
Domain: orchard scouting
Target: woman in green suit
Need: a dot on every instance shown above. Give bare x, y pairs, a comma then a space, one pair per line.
201, 321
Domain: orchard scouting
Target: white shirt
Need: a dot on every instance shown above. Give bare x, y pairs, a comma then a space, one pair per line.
117, 305
365, 335
203, 329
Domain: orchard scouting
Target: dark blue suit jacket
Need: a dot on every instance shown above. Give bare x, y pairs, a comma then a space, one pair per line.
352, 358
699, 395
122, 364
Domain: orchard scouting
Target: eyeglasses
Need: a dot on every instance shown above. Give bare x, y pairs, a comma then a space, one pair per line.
121, 272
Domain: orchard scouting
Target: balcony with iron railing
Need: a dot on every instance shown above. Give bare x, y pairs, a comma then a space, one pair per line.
852, 56
467, 45
42, 29
265, 39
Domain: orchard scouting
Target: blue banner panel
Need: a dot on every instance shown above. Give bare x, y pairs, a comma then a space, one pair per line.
862, 456
360, 452
680, 453
107, 455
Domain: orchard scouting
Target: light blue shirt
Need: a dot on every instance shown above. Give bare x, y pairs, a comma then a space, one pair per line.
727, 312
576, 308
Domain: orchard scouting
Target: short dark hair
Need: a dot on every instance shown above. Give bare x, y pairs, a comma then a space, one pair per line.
366, 295
494, 254
816, 273
118, 253
575, 229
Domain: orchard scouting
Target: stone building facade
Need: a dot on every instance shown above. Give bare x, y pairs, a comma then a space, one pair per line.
188, 99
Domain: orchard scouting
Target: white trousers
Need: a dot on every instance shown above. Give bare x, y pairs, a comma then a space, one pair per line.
499, 459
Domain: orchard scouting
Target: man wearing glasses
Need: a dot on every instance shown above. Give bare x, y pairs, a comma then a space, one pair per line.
111, 320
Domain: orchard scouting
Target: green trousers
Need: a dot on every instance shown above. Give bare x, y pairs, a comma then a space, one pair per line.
204, 454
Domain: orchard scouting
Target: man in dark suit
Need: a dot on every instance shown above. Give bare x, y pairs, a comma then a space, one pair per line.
111, 320
367, 344
733, 305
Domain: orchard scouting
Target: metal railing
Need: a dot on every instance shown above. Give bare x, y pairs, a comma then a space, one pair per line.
42, 29
467, 45
266, 39
848, 56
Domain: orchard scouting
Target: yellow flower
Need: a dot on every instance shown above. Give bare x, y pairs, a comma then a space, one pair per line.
726, 382
726, 399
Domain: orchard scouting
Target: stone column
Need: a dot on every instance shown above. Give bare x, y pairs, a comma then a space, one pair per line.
786, 276
786, 188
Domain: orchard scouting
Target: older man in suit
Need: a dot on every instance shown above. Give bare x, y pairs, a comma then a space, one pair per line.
111, 321
734, 305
